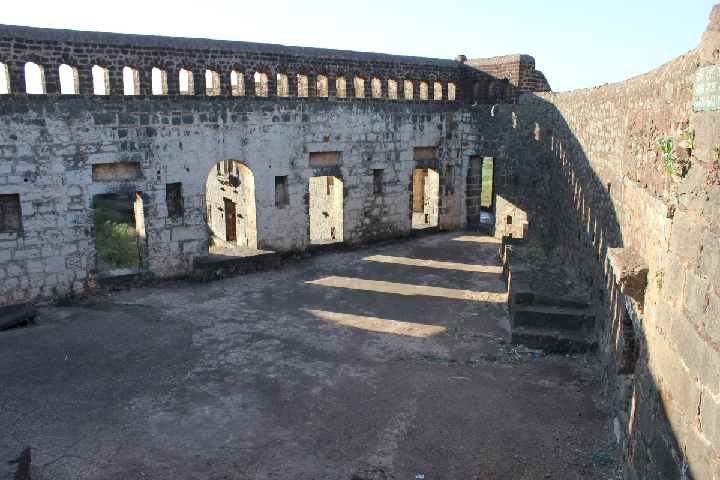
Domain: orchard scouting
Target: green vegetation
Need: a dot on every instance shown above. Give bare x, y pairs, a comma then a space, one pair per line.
488, 358
603, 459
689, 137
500, 358
148, 277
667, 146
555, 349
88, 303
487, 180
115, 236
659, 278
454, 332
430, 358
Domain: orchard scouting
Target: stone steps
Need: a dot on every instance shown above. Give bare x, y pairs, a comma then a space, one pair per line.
235, 262
553, 339
120, 277
543, 316
540, 317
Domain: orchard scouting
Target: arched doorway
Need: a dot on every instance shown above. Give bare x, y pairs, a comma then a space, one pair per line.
230, 203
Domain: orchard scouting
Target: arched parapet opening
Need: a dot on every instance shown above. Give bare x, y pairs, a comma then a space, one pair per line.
340, 86
186, 81
4, 79
69, 81
35, 82
230, 204
237, 83
261, 83
100, 79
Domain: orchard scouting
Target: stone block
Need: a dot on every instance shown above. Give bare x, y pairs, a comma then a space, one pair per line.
710, 258
663, 454
663, 315
16, 315
673, 278
188, 233
15, 460
675, 380
699, 456
710, 419
712, 316
685, 239
694, 296
55, 264
35, 267
700, 357
630, 270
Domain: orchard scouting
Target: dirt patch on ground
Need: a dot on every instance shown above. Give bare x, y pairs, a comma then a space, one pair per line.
385, 362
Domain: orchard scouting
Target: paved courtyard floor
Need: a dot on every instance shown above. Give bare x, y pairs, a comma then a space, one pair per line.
382, 362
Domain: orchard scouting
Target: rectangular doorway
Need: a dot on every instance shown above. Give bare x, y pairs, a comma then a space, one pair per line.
480, 190
326, 209
488, 184
230, 221
426, 198
116, 231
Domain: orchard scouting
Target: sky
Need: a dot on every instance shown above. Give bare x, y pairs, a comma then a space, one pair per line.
575, 43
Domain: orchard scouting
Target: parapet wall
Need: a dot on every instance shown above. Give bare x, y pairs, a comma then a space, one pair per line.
611, 188
415, 78
516, 71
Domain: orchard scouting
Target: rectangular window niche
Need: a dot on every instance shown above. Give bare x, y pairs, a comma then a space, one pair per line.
113, 172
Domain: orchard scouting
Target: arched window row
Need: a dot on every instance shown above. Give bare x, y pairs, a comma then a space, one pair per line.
322, 86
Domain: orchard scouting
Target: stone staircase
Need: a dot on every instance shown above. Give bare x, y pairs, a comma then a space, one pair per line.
548, 309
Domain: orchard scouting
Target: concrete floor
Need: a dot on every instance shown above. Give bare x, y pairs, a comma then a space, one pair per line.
338, 366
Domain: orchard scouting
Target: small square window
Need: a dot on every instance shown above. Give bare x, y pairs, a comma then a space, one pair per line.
377, 182
281, 191
173, 199
10, 213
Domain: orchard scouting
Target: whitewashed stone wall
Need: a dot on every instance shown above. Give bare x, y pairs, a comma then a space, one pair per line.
48, 150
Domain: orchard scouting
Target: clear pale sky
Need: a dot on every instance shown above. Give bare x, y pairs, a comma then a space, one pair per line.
576, 43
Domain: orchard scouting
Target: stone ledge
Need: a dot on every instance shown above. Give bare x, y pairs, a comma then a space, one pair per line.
17, 316
630, 271
325, 247
123, 276
15, 462
567, 318
570, 341
236, 261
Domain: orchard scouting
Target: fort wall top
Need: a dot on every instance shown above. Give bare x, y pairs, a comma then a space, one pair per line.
229, 68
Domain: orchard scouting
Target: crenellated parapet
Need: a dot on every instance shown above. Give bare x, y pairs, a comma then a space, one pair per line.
151, 66
240, 69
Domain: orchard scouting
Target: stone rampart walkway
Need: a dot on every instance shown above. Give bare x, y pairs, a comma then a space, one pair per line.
384, 362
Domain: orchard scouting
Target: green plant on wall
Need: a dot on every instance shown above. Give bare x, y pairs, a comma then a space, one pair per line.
659, 278
689, 137
667, 147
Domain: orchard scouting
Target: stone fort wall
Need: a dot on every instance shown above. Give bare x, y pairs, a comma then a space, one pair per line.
611, 189
59, 150
579, 169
